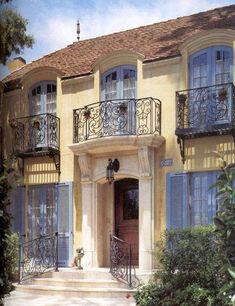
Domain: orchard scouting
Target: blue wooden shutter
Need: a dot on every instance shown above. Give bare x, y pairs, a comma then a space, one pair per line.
17, 209
176, 200
65, 223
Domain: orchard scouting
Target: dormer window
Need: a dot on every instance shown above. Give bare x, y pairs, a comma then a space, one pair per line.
119, 83
43, 98
211, 66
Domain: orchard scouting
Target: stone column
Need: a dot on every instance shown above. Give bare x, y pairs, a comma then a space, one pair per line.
87, 224
145, 224
146, 203
87, 209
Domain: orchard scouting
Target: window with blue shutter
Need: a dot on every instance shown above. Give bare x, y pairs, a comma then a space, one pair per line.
177, 200
201, 204
42, 210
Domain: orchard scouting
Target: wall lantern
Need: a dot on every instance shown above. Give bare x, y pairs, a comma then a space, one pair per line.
113, 166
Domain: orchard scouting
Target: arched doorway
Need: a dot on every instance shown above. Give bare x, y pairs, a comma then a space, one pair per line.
126, 193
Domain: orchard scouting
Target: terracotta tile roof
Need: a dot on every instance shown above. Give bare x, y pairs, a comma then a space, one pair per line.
155, 42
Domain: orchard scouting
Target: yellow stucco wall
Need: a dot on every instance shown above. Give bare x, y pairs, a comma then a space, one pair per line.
157, 79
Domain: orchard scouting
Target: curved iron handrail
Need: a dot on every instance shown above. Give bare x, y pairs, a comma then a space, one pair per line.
38, 256
117, 117
121, 266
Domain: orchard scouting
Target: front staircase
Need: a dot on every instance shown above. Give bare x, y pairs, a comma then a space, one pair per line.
78, 283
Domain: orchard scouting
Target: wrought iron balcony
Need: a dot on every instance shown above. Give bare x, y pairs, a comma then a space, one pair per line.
36, 135
205, 111
117, 117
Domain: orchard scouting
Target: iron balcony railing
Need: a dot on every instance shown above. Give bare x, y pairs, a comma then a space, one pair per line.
37, 133
38, 256
205, 111
121, 262
117, 117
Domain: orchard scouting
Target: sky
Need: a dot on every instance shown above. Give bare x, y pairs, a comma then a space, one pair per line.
53, 23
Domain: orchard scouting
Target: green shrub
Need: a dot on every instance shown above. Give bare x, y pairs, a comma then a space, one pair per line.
12, 261
7, 250
192, 272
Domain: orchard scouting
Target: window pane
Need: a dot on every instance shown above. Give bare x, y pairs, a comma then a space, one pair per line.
129, 77
203, 204
199, 70
36, 101
222, 67
51, 99
131, 204
111, 86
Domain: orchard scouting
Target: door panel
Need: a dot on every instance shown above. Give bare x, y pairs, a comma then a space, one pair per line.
127, 214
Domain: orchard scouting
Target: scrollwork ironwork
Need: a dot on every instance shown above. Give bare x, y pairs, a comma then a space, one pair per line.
121, 266
117, 117
36, 133
38, 256
204, 109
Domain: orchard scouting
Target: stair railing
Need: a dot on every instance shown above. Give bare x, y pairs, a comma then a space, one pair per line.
121, 265
38, 256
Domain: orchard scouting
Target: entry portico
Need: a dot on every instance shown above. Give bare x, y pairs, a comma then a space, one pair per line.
136, 155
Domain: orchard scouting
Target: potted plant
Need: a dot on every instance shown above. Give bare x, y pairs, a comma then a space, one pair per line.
222, 95
13, 123
36, 122
87, 113
182, 98
123, 108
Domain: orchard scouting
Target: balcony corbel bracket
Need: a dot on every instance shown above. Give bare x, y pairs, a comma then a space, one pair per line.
181, 142
56, 159
233, 135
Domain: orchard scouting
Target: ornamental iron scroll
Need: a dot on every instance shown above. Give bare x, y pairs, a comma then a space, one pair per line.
36, 133
204, 111
116, 118
38, 256
121, 266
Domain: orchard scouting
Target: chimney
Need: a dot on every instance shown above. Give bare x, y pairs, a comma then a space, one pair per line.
16, 63
78, 30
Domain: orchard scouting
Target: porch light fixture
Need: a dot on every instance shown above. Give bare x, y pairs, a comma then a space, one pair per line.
113, 166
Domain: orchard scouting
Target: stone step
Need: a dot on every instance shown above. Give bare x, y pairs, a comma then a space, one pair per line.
78, 283
76, 292
73, 273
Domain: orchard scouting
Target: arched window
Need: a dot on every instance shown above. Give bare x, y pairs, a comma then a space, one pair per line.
211, 66
42, 98
119, 93
210, 94
119, 83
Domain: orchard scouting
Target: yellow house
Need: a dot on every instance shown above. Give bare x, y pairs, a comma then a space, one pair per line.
116, 135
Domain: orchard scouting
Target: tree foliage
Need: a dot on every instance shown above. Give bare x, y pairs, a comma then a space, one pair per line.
225, 219
13, 37
8, 178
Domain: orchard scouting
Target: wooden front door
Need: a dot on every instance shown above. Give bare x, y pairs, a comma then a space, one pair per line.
127, 214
